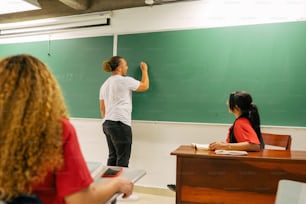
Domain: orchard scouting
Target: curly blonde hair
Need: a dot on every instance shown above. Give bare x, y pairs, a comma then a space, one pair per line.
31, 109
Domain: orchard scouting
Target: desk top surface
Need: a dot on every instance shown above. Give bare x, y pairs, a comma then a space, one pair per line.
190, 151
97, 169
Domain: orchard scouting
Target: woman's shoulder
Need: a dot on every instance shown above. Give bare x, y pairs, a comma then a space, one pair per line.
68, 128
66, 122
242, 121
118, 77
127, 80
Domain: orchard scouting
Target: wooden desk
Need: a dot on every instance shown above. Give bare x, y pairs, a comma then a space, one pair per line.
204, 177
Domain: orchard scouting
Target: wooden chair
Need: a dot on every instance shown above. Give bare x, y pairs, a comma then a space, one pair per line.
277, 140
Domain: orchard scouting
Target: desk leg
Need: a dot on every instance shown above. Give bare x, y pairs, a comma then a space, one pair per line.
178, 180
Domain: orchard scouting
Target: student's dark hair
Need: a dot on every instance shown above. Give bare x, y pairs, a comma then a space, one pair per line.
112, 64
243, 100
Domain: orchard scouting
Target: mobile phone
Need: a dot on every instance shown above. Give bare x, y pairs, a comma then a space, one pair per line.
112, 172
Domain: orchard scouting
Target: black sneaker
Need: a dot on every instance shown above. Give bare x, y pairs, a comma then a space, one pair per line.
172, 187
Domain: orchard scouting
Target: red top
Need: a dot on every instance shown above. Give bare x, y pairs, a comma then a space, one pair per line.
244, 132
73, 177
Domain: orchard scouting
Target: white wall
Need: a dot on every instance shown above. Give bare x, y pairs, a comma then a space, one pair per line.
153, 140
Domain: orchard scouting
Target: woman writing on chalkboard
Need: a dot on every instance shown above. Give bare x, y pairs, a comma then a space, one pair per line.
245, 133
116, 108
40, 152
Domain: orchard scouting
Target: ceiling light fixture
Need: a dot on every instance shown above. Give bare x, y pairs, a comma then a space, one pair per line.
15, 6
56, 24
149, 2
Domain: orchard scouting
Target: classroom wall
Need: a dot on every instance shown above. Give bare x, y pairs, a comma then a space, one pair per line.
154, 140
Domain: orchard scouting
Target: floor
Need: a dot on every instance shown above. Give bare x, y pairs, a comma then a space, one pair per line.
144, 198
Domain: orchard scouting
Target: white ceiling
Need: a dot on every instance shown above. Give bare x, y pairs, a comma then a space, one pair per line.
58, 8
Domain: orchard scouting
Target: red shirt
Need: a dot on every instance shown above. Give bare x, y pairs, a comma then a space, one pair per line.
73, 177
244, 132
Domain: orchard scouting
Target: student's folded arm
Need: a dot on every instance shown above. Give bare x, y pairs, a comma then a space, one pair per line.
253, 147
100, 193
245, 146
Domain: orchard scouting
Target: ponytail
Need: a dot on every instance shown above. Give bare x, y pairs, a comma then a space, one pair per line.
254, 115
111, 64
106, 66
255, 121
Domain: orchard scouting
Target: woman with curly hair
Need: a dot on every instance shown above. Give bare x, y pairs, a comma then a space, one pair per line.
40, 153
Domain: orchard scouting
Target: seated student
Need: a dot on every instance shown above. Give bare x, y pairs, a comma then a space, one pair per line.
40, 153
245, 133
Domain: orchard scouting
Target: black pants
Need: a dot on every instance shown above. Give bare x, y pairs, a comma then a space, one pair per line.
119, 141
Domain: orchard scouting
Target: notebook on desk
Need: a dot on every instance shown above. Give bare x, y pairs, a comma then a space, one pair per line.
198, 146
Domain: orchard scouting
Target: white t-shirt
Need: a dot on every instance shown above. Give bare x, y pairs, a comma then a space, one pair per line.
116, 92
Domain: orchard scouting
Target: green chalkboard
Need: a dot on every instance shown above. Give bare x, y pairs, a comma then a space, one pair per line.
192, 72
76, 63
